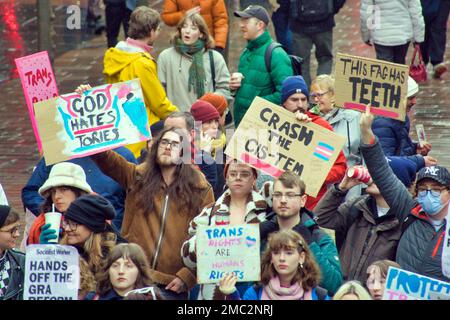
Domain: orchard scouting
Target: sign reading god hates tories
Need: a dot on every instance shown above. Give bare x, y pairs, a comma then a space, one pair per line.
38, 83
271, 139
102, 118
51, 273
228, 249
362, 81
406, 285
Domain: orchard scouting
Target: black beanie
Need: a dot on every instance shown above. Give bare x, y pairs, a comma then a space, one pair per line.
91, 211
4, 213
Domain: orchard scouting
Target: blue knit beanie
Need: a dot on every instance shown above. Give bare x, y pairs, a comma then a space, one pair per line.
404, 169
291, 85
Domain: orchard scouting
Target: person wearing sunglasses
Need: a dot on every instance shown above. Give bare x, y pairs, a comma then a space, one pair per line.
421, 246
239, 204
12, 262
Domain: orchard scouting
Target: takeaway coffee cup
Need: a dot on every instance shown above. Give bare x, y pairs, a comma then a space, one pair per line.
361, 174
54, 218
237, 76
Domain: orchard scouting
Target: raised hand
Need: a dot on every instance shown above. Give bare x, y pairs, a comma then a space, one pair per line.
227, 284
365, 124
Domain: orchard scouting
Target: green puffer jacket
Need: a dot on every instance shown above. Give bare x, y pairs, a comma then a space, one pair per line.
257, 81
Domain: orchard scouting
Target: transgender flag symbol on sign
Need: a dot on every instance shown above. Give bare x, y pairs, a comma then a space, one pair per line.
324, 151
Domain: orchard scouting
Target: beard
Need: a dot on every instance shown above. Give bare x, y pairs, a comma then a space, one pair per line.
164, 161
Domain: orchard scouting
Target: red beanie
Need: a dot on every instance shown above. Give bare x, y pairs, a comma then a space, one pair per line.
204, 111
218, 101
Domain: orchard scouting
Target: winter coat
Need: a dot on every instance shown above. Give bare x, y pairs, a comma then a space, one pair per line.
126, 62
100, 184
297, 25
255, 294
368, 237
400, 21
337, 171
394, 136
345, 123
257, 81
213, 11
173, 72
17, 276
322, 246
255, 213
420, 246
161, 245
111, 295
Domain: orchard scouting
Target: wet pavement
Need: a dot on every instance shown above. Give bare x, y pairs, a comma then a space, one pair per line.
78, 59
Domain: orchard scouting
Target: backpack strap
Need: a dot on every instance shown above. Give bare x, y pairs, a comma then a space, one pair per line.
268, 55
213, 70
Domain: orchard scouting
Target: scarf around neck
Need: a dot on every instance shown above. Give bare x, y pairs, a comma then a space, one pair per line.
274, 291
197, 76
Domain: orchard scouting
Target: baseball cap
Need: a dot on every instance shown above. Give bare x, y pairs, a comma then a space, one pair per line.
436, 173
254, 11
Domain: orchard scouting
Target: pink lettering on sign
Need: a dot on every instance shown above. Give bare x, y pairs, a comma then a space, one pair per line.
38, 83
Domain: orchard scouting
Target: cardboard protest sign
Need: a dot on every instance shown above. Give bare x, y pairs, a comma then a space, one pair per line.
103, 118
405, 285
38, 83
51, 273
271, 139
228, 249
421, 134
361, 81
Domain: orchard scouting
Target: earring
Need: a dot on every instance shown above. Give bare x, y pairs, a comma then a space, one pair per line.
300, 265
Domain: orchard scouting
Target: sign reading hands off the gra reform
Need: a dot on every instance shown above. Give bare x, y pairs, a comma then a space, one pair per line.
102, 118
361, 81
271, 139
405, 285
51, 273
228, 249
38, 83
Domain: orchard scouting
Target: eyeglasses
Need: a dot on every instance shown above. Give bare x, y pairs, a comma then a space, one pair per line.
245, 175
173, 144
318, 94
436, 192
289, 195
69, 225
13, 230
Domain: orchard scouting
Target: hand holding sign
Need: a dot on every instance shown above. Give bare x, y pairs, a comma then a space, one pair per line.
365, 123
227, 284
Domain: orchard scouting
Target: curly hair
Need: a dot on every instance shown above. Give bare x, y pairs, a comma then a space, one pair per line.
307, 276
129, 251
87, 279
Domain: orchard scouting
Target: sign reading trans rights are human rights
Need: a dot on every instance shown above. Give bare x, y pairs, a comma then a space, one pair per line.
271, 139
102, 118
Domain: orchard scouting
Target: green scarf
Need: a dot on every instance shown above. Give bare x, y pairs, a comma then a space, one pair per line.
196, 71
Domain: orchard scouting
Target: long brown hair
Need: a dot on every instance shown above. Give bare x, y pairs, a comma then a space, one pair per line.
130, 251
185, 187
47, 205
87, 279
308, 276
198, 21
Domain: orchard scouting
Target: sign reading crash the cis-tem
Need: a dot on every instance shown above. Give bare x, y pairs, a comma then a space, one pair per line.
362, 81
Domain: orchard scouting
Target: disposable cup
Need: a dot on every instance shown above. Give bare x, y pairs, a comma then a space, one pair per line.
54, 218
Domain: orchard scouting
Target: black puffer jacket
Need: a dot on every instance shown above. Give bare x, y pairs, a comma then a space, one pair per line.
17, 277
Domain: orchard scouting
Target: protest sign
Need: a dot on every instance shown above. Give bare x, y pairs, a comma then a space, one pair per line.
103, 118
421, 134
406, 285
228, 249
38, 83
271, 139
51, 273
361, 81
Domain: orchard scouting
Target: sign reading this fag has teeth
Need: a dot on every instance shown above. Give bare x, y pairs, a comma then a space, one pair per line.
361, 81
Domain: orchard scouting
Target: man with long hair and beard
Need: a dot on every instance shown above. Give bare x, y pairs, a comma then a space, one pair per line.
163, 195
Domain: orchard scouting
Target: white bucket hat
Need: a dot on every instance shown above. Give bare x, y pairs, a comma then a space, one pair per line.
413, 87
66, 174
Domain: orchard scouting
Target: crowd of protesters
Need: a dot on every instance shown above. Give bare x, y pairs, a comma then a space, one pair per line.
135, 222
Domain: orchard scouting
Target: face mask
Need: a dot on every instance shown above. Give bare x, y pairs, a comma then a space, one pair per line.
430, 204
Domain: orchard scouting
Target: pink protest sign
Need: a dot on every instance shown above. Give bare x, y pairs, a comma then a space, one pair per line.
38, 83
